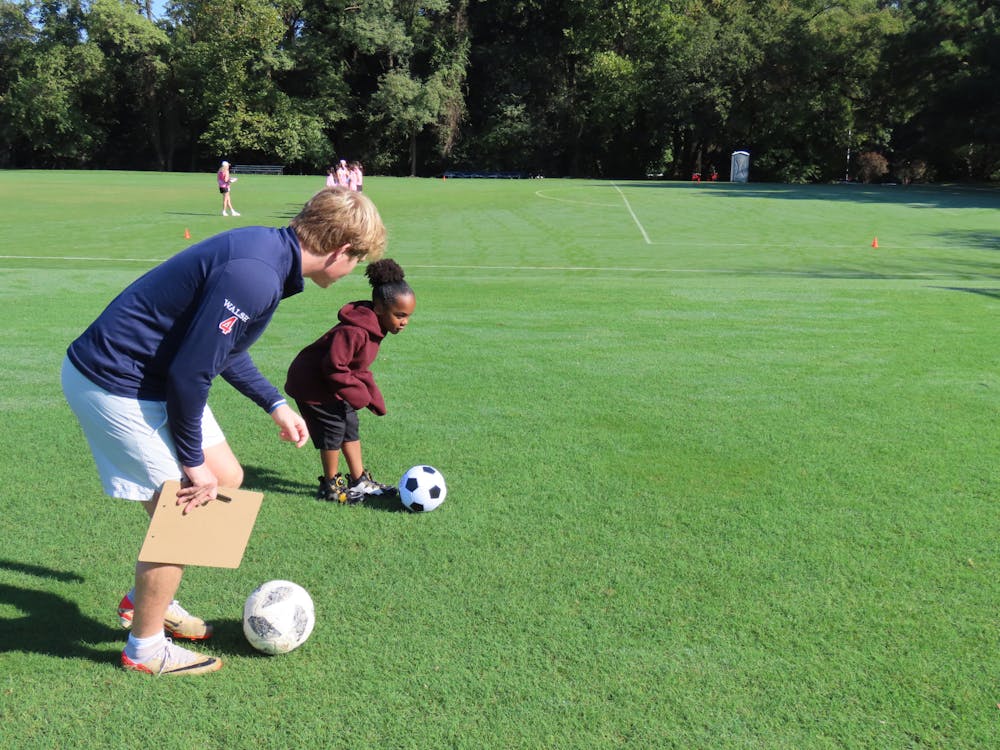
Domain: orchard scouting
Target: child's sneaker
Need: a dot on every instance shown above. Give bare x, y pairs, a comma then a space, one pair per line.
179, 623
369, 486
333, 490
174, 660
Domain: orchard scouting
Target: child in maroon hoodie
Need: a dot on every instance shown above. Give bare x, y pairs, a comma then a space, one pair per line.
330, 380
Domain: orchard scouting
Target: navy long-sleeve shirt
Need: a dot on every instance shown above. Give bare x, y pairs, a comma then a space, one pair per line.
170, 332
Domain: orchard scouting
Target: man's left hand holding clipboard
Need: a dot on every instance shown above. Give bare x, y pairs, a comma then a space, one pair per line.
215, 536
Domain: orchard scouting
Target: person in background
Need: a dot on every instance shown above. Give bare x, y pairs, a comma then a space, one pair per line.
331, 177
357, 176
343, 174
225, 180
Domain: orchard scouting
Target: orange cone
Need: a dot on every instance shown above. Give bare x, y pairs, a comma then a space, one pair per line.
875, 242
187, 233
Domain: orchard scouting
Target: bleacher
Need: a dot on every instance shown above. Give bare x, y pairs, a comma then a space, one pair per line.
258, 168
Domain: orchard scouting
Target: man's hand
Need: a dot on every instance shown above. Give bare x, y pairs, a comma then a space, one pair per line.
201, 487
293, 427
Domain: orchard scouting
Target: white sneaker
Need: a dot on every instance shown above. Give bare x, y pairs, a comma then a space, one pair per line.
236, 213
174, 660
224, 213
369, 486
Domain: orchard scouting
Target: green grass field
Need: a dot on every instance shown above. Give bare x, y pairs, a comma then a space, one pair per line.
721, 475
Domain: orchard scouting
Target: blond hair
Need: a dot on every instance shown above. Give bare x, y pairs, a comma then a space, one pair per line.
335, 217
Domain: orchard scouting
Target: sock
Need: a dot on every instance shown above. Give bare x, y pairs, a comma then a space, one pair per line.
141, 649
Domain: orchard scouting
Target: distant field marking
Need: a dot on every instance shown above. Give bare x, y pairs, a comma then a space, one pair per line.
634, 217
642, 229
542, 194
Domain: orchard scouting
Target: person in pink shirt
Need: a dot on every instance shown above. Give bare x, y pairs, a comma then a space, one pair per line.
343, 174
331, 177
225, 180
357, 176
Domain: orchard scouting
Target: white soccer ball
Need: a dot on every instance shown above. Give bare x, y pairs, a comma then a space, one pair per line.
278, 617
422, 489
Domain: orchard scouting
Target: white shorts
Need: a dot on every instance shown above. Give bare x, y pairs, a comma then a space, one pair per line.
129, 437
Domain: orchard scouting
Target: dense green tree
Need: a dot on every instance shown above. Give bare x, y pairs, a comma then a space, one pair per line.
624, 107
229, 57
808, 100
17, 47
136, 54
53, 98
562, 87
943, 75
404, 63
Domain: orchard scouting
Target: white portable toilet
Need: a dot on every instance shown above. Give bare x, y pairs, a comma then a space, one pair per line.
739, 168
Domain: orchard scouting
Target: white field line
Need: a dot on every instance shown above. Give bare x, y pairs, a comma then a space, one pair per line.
634, 217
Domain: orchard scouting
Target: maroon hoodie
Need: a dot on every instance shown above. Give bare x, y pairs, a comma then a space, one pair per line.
336, 365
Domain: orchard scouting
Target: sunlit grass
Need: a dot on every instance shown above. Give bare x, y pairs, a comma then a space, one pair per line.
721, 474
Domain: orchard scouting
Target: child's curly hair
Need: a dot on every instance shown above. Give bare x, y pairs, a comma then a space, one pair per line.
388, 281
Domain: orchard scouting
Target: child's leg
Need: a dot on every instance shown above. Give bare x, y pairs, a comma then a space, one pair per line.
331, 460
352, 454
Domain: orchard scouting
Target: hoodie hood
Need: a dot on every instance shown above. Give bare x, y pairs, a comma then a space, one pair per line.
362, 314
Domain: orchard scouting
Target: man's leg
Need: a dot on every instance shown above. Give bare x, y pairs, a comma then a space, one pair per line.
147, 649
155, 588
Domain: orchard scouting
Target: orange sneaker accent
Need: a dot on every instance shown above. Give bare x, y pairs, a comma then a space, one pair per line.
125, 610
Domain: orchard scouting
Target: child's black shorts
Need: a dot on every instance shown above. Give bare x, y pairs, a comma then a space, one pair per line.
330, 425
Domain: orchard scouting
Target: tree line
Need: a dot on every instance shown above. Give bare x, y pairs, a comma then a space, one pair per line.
815, 90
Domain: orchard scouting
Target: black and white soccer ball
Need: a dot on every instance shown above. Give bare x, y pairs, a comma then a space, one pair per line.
422, 489
278, 617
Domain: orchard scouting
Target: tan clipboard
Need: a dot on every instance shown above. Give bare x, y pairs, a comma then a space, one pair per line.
214, 535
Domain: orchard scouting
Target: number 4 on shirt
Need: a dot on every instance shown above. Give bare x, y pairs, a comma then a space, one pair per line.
226, 326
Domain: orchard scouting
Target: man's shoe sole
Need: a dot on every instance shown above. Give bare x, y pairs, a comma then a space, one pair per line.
208, 664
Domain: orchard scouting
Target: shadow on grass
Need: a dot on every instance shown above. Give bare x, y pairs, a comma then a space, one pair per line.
388, 504
994, 293
979, 240
53, 626
265, 480
228, 639
939, 196
40, 572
